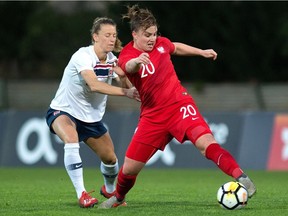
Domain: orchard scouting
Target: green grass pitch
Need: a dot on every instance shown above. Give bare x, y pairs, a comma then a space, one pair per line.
177, 192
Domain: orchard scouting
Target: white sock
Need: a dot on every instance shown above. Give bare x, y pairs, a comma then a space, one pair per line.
109, 173
73, 165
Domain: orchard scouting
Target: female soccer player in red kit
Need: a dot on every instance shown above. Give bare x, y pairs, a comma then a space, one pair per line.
167, 110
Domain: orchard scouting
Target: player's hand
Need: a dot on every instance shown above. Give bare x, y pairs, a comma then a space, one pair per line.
209, 53
135, 64
133, 93
143, 58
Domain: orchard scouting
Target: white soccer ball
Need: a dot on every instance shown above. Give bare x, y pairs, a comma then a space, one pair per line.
232, 195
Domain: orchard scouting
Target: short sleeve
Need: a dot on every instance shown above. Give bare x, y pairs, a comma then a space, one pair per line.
82, 61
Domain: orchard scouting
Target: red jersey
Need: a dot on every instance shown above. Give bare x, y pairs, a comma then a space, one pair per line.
157, 83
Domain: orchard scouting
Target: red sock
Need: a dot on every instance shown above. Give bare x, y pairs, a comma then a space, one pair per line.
224, 160
124, 184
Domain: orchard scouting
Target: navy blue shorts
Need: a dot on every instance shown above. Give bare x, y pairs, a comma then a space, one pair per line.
84, 129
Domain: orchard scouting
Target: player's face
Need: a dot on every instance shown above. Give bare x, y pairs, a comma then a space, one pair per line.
145, 40
105, 39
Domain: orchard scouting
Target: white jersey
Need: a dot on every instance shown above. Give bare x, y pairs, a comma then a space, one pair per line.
74, 96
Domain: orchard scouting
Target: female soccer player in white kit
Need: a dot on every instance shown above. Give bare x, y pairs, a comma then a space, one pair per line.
76, 112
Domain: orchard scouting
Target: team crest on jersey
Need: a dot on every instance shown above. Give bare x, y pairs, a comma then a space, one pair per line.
161, 49
110, 73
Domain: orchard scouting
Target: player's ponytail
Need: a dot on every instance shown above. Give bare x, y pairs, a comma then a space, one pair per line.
118, 45
139, 18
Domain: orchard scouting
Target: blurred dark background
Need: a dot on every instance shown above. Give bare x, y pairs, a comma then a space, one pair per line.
251, 38
242, 94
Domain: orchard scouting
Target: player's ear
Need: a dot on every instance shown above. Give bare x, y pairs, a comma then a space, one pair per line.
95, 37
134, 35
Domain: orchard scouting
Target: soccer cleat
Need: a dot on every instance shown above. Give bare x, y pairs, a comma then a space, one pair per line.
104, 193
86, 201
112, 202
249, 185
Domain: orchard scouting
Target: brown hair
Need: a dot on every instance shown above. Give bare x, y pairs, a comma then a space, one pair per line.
140, 18
97, 26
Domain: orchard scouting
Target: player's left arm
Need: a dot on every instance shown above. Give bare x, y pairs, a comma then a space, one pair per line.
182, 49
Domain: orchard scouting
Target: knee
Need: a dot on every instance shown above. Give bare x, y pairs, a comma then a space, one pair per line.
202, 148
132, 167
204, 142
70, 138
109, 159
130, 171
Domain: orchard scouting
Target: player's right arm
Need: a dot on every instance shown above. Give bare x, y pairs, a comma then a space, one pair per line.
134, 64
101, 87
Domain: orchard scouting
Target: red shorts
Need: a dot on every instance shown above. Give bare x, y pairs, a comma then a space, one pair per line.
181, 121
